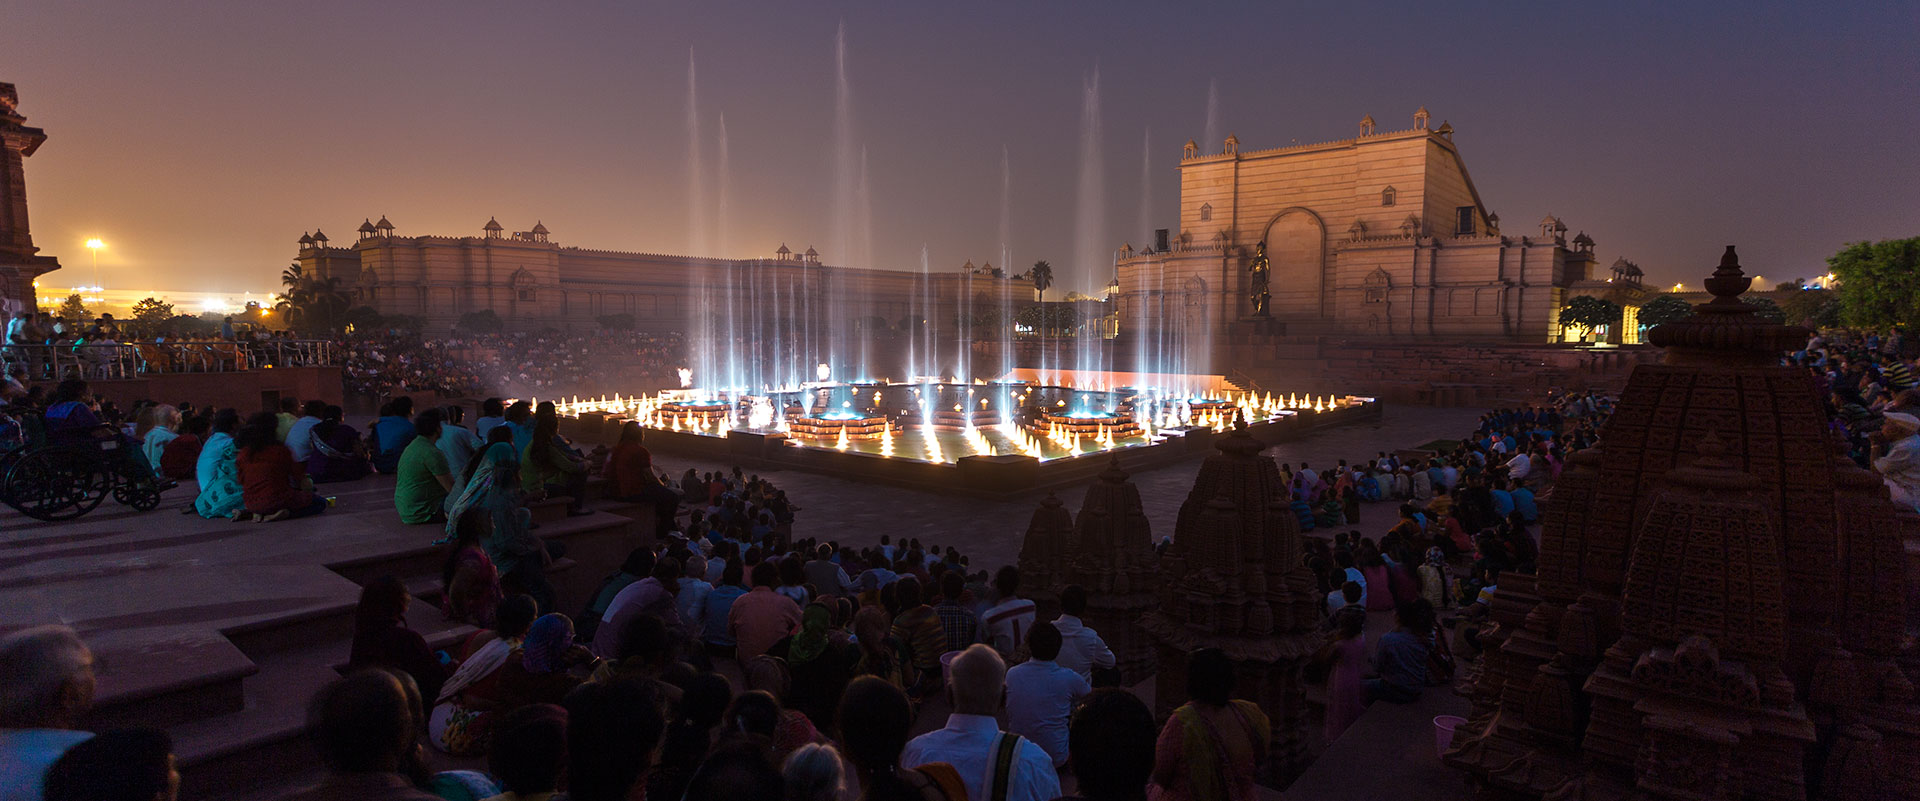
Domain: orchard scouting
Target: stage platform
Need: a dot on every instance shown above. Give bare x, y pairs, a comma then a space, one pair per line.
220, 632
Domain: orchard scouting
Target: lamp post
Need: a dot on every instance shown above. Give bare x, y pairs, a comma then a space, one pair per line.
94, 246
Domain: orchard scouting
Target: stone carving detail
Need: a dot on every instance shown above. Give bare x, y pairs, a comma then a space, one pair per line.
1232, 580
1713, 583
1113, 559
1044, 555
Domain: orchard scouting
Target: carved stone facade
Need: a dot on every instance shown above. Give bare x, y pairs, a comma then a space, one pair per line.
1045, 555
19, 265
1717, 609
1382, 235
1233, 580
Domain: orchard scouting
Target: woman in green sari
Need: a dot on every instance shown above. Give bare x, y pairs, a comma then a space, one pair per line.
218, 474
1211, 746
491, 490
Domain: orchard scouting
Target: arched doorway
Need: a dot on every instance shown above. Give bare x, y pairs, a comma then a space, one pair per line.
1297, 246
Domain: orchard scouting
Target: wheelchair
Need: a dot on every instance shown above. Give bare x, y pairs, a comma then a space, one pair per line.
54, 482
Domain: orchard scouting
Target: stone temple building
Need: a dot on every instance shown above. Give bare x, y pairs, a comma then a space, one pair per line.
19, 264
1718, 610
1380, 235
532, 282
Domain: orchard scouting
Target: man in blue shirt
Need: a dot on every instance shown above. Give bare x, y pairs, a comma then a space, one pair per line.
492, 413
1524, 504
1502, 499
389, 435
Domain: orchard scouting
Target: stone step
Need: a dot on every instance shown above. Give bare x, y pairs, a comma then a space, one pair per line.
263, 742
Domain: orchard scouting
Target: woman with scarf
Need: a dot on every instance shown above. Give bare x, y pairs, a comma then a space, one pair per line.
819, 664
881, 653
491, 493
472, 584
335, 450
1212, 746
537, 672
460, 721
218, 472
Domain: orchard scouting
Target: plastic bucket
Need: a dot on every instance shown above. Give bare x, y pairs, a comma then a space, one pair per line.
1443, 726
946, 666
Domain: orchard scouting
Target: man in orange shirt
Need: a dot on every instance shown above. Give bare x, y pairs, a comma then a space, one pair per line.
761, 617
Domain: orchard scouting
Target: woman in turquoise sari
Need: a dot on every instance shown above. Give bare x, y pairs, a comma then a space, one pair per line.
491, 490
219, 477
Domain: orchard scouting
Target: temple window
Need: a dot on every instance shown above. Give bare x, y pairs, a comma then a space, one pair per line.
1206, 212
1465, 224
1386, 196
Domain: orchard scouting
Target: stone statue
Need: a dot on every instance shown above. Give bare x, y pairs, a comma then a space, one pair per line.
1260, 269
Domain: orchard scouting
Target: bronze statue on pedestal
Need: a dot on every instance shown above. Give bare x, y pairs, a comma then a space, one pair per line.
1257, 292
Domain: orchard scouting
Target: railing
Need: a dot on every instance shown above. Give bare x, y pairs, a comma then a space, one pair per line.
110, 360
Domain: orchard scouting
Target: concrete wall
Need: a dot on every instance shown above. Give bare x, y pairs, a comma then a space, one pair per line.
248, 391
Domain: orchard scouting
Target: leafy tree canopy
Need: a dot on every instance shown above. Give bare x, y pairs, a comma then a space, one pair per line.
73, 311
1587, 311
1766, 309
1662, 310
1879, 282
1816, 308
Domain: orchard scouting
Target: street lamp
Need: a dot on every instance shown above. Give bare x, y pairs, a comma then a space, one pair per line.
94, 245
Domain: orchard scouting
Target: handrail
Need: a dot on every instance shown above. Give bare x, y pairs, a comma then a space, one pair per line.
111, 360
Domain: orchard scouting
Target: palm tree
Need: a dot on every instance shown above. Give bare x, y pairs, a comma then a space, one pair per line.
1042, 278
311, 303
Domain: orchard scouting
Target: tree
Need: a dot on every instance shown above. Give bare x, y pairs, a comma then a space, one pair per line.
1815, 308
1660, 311
311, 304
1765, 308
191, 324
150, 315
1042, 278
73, 311
616, 322
1795, 284
1589, 312
481, 322
363, 318
1879, 282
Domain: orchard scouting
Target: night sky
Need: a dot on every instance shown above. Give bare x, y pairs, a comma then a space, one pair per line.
201, 139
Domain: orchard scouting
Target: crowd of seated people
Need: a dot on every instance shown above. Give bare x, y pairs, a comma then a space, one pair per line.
547, 364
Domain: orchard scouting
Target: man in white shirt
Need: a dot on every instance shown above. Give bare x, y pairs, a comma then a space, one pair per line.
1005, 624
1519, 466
1081, 648
995, 766
1041, 694
492, 414
46, 686
300, 436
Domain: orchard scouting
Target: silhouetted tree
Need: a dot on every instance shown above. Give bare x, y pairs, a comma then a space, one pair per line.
1042, 278
1879, 282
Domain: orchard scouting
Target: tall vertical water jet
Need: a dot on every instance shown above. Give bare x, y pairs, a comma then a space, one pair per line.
863, 256
701, 327
1145, 228
1004, 288
1213, 117
1093, 257
720, 188
697, 244
845, 315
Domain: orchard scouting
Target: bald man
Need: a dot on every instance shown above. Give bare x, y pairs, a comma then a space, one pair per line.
995, 765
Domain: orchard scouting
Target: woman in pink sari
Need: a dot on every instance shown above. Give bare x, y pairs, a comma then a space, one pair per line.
1346, 656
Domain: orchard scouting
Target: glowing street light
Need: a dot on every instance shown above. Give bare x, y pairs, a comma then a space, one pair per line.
93, 247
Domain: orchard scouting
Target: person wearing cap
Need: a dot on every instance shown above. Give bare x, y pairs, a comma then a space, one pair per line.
1899, 464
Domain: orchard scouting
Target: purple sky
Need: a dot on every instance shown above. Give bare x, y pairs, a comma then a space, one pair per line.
201, 141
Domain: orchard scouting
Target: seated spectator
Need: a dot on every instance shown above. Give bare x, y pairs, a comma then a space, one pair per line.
299, 438
718, 610
422, 477
761, 617
337, 452
492, 490
630, 478
824, 574
46, 687
1401, 659
1212, 746
381, 638
1005, 624
182, 453
1111, 746
271, 481
492, 415
819, 665
1082, 650
455, 441
538, 672
691, 600
612, 731
653, 595
529, 752
736, 770
365, 728
545, 465
962, 627
460, 722
972, 739
919, 629
814, 773
690, 735
119, 765
218, 471
470, 585
874, 719
157, 426
639, 565
390, 434
1041, 694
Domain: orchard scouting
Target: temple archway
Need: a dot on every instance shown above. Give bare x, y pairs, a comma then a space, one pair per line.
1297, 245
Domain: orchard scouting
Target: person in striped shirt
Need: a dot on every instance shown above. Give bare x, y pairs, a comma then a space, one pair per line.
1005, 624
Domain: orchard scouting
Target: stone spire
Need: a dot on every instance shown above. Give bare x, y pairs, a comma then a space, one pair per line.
1044, 554
1113, 559
1233, 580
1686, 621
19, 264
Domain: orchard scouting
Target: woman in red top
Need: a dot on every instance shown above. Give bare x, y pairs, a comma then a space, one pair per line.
270, 479
630, 478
